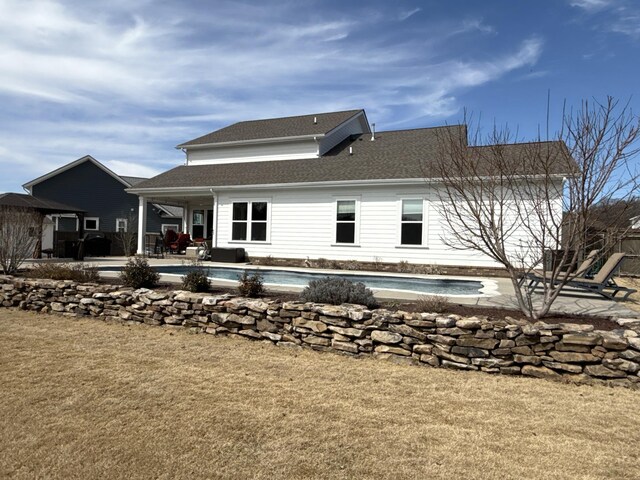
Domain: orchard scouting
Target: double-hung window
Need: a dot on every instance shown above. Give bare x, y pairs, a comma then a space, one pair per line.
346, 221
197, 223
249, 221
121, 225
412, 222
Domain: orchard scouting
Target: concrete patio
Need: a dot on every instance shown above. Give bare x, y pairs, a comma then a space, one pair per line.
500, 296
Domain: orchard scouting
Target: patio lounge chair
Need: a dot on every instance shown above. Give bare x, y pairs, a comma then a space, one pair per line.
602, 283
580, 272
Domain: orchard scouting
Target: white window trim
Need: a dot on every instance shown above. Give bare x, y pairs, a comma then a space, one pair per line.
204, 220
126, 224
58, 216
425, 221
169, 226
334, 219
249, 201
97, 219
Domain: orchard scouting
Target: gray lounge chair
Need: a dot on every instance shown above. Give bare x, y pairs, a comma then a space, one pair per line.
602, 283
580, 272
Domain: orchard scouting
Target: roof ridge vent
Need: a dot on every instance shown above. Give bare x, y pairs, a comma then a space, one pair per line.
373, 132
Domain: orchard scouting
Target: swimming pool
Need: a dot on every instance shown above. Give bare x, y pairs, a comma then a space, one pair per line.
284, 277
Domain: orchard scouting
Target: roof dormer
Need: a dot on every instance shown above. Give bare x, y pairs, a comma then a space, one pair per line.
288, 138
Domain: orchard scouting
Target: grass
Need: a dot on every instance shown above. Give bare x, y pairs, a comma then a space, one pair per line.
87, 399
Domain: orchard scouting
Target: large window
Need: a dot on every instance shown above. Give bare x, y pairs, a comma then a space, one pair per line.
249, 221
346, 221
412, 222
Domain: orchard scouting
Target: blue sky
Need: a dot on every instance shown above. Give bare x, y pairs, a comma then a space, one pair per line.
127, 83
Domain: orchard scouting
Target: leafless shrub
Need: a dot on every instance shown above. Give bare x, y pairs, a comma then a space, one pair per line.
377, 264
432, 303
403, 266
20, 233
128, 238
322, 263
77, 272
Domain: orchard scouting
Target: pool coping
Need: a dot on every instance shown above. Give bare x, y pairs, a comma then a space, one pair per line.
489, 286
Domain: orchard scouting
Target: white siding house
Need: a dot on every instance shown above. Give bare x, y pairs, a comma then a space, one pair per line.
315, 186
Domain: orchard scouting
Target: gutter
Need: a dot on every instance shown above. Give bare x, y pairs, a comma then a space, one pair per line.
252, 141
325, 184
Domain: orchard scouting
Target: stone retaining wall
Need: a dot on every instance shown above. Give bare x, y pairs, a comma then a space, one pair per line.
563, 351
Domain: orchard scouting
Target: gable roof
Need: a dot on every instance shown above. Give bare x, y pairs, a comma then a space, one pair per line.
132, 180
69, 166
22, 200
393, 155
316, 124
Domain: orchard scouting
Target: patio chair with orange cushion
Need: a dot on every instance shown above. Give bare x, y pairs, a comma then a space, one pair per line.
181, 243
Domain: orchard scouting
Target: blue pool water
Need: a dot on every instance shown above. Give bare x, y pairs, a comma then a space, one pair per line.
301, 279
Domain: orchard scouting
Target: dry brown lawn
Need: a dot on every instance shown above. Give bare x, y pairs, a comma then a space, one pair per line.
86, 399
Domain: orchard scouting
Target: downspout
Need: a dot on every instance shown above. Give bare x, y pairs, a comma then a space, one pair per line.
214, 240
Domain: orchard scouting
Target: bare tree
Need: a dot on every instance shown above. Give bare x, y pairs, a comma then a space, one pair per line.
128, 237
518, 202
19, 234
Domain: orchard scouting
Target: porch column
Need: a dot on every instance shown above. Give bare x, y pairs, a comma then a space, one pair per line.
185, 218
214, 219
142, 223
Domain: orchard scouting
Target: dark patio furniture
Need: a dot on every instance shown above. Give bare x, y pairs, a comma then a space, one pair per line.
601, 284
181, 244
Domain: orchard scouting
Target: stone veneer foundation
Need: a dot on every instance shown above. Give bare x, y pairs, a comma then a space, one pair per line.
562, 351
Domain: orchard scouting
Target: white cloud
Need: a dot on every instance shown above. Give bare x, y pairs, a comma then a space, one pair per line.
125, 83
618, 16
408, 13
591, 5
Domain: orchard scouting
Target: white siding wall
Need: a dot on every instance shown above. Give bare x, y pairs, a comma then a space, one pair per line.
303, 225
352, 127
253, 153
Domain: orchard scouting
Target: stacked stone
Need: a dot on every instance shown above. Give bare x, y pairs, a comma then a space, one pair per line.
564, 351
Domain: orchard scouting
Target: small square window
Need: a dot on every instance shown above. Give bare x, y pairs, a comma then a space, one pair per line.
91, 223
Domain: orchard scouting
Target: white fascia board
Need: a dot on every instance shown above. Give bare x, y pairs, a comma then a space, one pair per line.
28, 186
350, 119
251, 142
195, 191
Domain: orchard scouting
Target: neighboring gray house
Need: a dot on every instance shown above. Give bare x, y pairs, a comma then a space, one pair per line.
91, 186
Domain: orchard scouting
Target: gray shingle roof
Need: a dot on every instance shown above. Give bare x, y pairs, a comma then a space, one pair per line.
400, 154
22, 200
132, 180
276, 128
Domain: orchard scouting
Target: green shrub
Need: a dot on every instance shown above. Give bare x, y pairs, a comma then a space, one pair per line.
77, 272
336, 290
196, 281
250, 285
138, 274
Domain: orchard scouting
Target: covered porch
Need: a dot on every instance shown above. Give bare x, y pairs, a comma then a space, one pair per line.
199, 219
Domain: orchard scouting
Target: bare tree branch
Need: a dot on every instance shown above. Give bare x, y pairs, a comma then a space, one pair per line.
19, 233
517, 202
